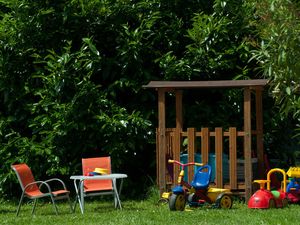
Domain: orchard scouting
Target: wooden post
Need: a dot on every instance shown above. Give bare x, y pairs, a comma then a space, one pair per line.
219, 156
162, 140
247, 143
259, 129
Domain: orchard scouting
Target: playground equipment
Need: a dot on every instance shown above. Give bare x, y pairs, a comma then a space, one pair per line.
197, 193
288, 193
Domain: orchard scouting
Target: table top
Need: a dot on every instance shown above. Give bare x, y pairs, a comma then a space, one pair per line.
99, 177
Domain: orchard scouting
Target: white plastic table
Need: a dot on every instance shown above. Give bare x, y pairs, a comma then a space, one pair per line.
78, 184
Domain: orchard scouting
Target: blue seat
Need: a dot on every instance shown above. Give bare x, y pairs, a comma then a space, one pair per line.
202, 178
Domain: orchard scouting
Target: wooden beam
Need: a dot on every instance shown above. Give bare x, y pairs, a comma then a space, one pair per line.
247, 143
259, 129
162, 139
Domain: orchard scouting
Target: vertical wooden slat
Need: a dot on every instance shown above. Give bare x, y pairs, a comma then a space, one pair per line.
162, 140
177, 147
204, 145
247, 143
169, 154
219, 156
191, 151
232, 157
259, 128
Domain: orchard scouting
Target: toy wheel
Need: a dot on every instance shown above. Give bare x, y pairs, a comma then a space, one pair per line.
177, 202
272, 203
224, 201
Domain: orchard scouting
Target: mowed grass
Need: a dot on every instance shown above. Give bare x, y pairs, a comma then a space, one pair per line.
145, 212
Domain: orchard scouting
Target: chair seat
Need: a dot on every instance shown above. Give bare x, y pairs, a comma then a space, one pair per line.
60, 192
96, 189
35, 194
98, 186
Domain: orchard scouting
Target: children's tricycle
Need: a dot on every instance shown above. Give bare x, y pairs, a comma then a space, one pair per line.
197, 193
267, 198
293, 186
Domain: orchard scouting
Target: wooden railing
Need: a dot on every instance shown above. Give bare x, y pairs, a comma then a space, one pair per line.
204, 143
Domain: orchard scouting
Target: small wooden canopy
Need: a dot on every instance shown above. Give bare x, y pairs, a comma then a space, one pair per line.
177, 86
206, 84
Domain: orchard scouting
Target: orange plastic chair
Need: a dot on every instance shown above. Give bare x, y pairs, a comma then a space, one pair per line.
96, 187
33, 189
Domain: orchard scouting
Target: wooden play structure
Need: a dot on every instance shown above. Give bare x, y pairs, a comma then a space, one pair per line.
169, 140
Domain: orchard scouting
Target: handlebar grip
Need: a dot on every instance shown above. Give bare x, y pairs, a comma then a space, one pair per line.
171, 161
199, 164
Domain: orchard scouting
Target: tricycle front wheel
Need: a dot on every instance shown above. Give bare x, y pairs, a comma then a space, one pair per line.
177, 202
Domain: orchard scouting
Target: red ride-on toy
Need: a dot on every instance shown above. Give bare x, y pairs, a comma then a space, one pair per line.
267, 198
198, 192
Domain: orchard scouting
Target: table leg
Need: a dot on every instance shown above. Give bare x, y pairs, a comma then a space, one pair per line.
81, 197
117, 198
78, 189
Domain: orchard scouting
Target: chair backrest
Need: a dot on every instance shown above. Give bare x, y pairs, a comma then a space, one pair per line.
25, 177
202, 178
89, 165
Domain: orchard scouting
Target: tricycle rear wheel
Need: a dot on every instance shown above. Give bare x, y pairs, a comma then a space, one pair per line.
224, 201
177, 202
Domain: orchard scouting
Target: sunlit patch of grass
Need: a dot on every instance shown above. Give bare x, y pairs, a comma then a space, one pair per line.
145, 212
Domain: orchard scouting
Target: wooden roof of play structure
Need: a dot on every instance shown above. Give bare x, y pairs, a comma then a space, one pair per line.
249, 86
206, 84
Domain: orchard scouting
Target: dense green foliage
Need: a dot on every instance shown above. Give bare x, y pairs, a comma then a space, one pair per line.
278, 26
71, 76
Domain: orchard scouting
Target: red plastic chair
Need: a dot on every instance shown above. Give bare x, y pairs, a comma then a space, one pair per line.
96, 187
33, 189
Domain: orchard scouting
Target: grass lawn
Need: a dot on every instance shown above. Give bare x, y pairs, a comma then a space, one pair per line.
145, 212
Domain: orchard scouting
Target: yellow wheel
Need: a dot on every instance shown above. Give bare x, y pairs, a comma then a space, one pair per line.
224, 201
177, 202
